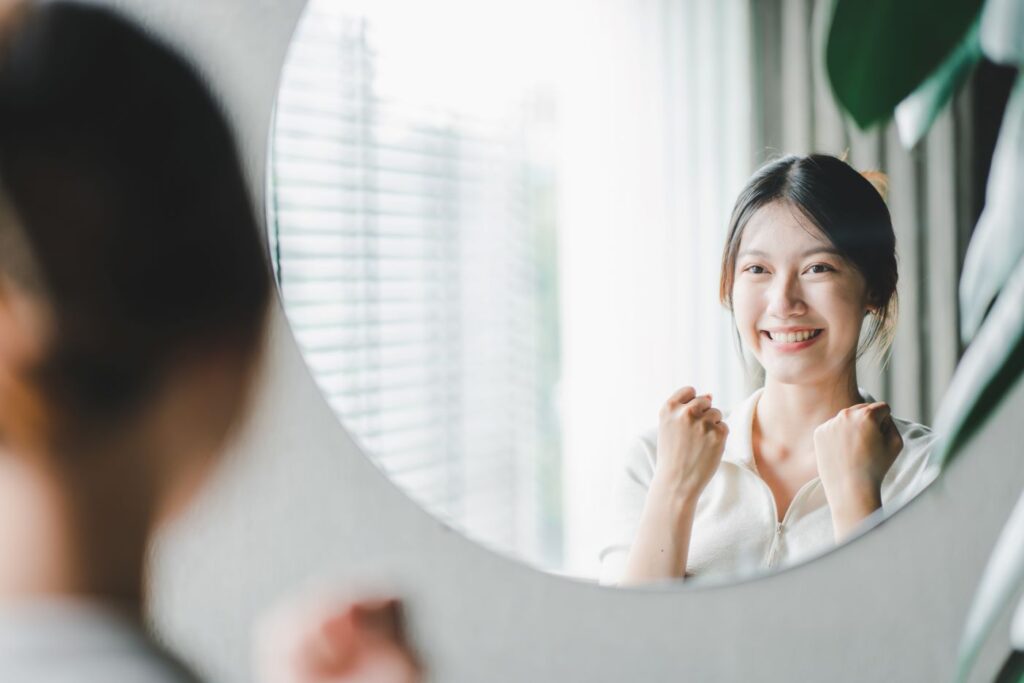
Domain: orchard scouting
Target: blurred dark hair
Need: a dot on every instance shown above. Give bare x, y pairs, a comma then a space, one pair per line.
849, 209
126, 208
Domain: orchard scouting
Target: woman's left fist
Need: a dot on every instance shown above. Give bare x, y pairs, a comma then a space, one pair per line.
854, 451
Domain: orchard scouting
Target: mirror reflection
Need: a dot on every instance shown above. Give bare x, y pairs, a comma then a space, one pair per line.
572, 275
809, 271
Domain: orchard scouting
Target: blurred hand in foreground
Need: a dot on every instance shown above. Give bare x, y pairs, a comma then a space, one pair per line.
332, 641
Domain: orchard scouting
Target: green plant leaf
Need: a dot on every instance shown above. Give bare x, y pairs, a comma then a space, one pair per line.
992, 365
1002, 31
1003, 574
998, 241
1013, 669
1017, 628
915, 114
880, 51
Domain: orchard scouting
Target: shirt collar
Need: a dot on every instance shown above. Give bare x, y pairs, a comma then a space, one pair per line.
739, 448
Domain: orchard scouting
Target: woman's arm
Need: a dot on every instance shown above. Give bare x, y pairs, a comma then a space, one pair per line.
662, 541
691, 439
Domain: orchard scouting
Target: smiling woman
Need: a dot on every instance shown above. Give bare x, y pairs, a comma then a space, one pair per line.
805, 461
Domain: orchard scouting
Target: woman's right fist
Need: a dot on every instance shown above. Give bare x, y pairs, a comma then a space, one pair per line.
691, 439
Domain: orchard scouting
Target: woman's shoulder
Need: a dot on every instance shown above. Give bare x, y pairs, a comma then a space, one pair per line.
909, 473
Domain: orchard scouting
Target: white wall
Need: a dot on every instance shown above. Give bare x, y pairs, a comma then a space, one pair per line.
297, 500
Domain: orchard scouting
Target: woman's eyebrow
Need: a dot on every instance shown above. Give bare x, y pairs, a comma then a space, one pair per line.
821, 250
810, 252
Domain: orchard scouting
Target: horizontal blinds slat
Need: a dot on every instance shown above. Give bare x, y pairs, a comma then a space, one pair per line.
301, 222
327, 112
404, 381
383, 311
356, 191
330, 314
397, 358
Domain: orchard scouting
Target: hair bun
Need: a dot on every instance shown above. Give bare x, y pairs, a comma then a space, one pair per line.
879, 181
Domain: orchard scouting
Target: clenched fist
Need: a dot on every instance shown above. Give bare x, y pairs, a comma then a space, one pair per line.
691, 439
854, 451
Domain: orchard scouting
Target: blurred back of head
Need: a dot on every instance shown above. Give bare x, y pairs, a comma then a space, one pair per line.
124, 217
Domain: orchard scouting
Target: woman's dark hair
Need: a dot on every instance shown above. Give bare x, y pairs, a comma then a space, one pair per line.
846, 206
125, 207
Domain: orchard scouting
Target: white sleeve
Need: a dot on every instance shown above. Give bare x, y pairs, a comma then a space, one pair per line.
626, 503
909, 474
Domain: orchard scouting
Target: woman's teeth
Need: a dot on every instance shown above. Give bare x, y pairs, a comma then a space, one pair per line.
791, 337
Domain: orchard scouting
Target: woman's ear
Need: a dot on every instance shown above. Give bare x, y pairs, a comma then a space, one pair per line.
24, 331
871, 304
24, 326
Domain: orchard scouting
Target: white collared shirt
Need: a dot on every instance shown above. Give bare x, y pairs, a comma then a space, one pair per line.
736, 530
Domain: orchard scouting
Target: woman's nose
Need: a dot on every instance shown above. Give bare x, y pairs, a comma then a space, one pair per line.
785, 299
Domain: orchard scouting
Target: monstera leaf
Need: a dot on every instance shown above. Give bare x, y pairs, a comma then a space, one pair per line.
999, 582
915, 114
998, 241
1002, 27
878, 52
995, 259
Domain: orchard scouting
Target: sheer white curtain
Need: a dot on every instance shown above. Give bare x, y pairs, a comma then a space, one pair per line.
656, 143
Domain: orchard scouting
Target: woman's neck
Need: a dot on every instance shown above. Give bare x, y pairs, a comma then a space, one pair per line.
71, 537
787, 414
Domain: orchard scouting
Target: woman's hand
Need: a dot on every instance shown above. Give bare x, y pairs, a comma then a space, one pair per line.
326, 641
691, 440
854, 451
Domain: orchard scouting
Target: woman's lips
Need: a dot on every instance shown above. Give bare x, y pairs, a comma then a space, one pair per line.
792, 340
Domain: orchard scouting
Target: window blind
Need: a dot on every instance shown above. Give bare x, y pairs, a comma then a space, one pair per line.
409, 247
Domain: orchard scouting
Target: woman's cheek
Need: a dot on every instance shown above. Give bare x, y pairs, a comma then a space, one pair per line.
746, 315
842, 310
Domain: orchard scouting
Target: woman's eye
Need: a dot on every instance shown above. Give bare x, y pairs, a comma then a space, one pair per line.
755, 270
819, 268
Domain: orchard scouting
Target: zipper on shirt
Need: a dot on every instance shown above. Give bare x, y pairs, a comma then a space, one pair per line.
781, 526
773, 548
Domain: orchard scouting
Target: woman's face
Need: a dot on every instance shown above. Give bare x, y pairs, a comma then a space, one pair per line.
798, 304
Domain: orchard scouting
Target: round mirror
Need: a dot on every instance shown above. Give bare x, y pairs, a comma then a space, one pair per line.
498, 230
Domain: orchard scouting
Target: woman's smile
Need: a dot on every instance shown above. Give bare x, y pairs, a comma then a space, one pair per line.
787, 340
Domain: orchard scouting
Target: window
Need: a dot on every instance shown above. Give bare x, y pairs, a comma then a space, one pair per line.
413, 242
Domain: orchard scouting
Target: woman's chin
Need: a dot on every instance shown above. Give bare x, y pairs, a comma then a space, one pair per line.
793, 372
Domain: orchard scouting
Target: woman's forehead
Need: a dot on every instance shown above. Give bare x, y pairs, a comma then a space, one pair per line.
781, 228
